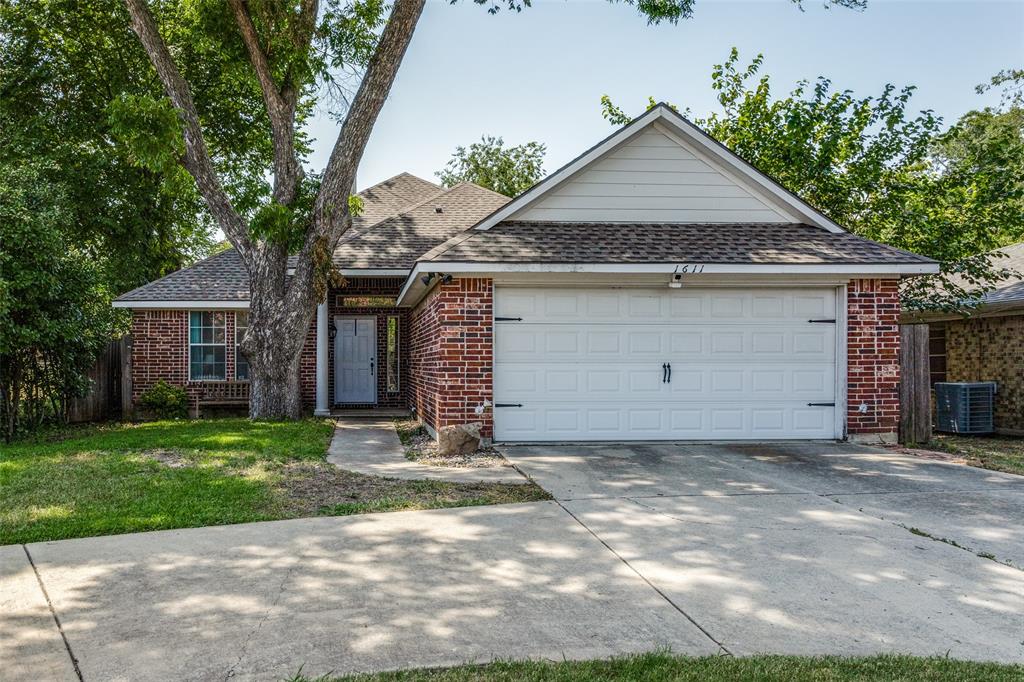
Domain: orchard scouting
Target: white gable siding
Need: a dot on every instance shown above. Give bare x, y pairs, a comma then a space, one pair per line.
651, 178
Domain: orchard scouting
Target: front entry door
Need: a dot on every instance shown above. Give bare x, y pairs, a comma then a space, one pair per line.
355, 360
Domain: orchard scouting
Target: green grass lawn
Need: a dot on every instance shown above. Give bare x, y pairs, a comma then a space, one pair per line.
999, 453
181, 474
659, 667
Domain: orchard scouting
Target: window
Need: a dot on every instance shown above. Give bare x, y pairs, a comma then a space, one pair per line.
206, 332
392, 354
241, 364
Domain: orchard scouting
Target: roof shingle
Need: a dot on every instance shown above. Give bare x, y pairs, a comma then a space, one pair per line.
769, 243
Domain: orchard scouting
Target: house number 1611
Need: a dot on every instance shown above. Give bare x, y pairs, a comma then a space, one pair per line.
690, 267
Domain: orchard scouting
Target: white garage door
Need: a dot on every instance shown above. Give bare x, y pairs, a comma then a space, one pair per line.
691, 363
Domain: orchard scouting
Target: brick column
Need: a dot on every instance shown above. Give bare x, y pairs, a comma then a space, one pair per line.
452, 353
873, 351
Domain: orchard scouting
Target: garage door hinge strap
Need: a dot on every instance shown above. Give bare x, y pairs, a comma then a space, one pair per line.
508, 404
821, 404
508, 319
823, 321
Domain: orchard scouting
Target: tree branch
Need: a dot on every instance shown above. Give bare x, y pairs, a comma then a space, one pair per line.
280, 102
332, 201
331, 215
197, 157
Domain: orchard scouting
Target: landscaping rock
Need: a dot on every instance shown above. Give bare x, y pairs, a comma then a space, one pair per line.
458, 440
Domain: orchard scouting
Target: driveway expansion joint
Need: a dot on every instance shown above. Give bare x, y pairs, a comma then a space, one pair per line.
640, 575
53, 612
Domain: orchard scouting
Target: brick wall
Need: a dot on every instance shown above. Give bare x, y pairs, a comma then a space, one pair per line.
451, 354
160, 350
873, 351
991, 349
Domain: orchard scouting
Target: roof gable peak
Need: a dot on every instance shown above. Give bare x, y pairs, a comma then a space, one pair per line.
660, 167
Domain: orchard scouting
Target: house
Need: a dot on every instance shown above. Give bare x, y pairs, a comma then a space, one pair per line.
658, 287
988, 344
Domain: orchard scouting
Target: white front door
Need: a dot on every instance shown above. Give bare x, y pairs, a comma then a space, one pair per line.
656, 364
355, 360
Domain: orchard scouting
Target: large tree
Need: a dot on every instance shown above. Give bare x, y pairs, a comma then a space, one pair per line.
489, 163
76, 94
294, 48
882, 171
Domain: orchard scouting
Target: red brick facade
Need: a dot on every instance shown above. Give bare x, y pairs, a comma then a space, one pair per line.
451, 354
446, 351
160, 350
873, 353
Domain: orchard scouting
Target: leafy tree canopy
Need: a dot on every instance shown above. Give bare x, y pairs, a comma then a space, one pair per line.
489, 163
54, 310
883, 172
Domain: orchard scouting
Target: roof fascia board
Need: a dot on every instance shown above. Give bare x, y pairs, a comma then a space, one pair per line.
183, 305
407, 296
876, 269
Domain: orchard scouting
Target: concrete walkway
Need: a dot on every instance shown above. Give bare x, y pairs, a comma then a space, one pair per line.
371, 446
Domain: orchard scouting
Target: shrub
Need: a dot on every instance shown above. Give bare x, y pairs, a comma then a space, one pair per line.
165, 401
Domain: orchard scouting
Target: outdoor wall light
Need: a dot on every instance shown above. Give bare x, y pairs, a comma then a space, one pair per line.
446, 279
427, 279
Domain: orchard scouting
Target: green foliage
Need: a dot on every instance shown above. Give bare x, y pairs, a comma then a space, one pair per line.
165, 401
656, 11
55, 313
70, 79
489, 163
881, 171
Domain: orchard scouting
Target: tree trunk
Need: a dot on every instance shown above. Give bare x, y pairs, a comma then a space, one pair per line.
275, 390
278, 325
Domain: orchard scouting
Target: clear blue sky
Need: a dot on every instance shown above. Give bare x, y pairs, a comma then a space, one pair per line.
539, 75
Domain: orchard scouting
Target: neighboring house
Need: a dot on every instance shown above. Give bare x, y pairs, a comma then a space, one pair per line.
988, 345
658, 287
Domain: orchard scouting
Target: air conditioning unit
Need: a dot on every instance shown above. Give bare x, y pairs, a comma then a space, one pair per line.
964, 407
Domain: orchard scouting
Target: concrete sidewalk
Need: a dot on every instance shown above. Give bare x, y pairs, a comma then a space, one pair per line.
371, 446
343, 594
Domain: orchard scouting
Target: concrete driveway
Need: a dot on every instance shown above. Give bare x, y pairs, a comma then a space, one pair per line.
704, 549
808, 548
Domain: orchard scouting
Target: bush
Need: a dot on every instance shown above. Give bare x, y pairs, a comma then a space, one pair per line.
165, 401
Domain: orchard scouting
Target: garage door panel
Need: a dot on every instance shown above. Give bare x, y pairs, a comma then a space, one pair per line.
630, 382
536, 343
630, 305
554, 420
587, 364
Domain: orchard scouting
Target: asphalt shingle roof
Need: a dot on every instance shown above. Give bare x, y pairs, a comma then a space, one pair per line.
400, 240
1011, 290
555, 242
221, 277
391, 197
399, 222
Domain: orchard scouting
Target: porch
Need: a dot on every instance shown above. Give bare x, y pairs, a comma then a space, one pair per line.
360, 362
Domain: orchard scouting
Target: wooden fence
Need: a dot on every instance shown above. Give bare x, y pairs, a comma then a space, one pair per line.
111, 386
915, 385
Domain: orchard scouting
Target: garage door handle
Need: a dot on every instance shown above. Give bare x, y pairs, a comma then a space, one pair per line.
670, 372
664, 372
508, 404
821, 404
